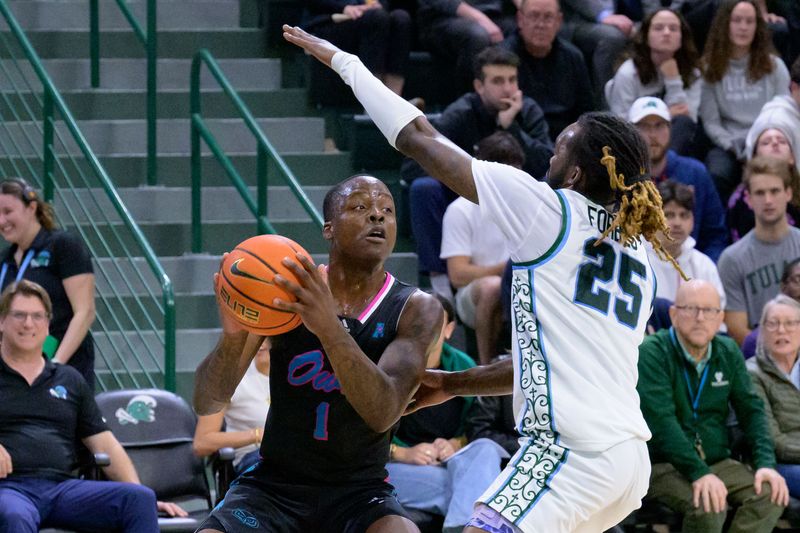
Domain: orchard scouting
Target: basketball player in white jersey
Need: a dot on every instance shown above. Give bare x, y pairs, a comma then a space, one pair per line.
582, 292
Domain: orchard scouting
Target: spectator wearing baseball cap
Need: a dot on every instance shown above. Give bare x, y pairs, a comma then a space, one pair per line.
652, 118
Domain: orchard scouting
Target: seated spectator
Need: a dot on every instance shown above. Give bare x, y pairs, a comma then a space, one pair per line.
552, 70
476, 253
776, 378
380, 36
782, 111
652, 118
750, 268
663, 63
790, 286
244, 417
689, 376
458, 30
496, 105
678, 202
425, 465
47, 411
740, 74
492, 417
774, 142
601, 34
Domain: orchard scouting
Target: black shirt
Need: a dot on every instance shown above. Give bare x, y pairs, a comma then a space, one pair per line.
41, 424
313, 435
558, 82
57, 255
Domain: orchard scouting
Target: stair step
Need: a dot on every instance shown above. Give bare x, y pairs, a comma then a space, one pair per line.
108, 137
222, 42
131, 73
172, 14
310, 168
173, 204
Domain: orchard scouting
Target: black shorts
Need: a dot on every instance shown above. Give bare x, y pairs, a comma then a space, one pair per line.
253, 504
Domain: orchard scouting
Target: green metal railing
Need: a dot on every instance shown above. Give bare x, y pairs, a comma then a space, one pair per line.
265, 152
150, 42
41, 143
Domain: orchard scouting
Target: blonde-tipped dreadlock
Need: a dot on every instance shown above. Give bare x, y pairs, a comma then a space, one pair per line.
640, 211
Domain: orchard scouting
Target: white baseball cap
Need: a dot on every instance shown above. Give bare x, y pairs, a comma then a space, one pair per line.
646, 106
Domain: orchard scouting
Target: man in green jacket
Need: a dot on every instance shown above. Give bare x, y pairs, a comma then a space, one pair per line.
688, 378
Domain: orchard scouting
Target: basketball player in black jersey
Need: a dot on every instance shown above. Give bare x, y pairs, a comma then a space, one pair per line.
338, 382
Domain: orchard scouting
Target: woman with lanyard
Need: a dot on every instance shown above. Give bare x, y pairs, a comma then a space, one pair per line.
56, 260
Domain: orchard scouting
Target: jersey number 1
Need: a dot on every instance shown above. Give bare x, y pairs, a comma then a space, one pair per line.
601, 267
321, 424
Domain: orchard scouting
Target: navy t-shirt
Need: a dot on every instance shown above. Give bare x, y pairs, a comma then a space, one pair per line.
41, 424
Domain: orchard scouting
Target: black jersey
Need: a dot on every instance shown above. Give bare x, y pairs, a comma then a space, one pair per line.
312, 434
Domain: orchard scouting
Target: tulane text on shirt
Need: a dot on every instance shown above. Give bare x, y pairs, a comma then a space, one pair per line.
763, 278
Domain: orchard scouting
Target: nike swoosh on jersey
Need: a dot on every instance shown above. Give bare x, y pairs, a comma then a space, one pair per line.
236, 271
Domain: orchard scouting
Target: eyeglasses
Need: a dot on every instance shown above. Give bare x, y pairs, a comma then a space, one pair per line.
694, 311
774, 325
21, 316
545, 18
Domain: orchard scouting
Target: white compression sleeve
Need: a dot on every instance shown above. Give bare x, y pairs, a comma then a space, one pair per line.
389, 111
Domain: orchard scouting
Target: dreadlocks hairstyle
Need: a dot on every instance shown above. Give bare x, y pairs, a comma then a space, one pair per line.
718, 48
621, 176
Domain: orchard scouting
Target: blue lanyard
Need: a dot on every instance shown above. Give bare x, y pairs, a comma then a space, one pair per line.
695, 399
22, 268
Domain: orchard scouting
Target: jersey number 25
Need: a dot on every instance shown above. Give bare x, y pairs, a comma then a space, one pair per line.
600, 267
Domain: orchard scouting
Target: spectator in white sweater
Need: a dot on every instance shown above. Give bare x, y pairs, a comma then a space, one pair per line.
741, 74
663, 62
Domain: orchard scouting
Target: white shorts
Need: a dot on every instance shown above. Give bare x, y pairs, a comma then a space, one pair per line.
550, 489
465, 306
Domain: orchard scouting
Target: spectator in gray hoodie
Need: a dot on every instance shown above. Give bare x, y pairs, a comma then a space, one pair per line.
782, 112
741, 74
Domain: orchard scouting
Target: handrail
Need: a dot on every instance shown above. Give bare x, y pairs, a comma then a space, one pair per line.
150, 42
264, 152
52, 103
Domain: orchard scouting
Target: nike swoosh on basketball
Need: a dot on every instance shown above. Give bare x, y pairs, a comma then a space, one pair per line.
236, 271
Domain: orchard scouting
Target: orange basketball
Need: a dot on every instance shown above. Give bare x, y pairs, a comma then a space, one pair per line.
246, 284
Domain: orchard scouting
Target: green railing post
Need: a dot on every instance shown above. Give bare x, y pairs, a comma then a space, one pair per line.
94, 41
152, 96
265, 153
197, 159
48, 158
170, 326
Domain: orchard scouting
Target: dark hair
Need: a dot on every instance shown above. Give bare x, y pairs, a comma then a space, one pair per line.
787, 269
25, 288
686, 56
493, 55
610, 152
447, 305
717, 55
19, 188
501, 147
794, 73
330, 204
673, 191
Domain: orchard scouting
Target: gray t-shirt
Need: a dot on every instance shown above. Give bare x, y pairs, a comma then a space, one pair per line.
751, 270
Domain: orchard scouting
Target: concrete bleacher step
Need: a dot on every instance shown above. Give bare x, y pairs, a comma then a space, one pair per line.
131, 73
107, 137
172, 14
223, 43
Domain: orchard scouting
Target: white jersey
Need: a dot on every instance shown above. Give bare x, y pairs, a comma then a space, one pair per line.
579, 312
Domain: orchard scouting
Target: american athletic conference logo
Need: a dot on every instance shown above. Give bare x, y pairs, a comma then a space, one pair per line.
246, 518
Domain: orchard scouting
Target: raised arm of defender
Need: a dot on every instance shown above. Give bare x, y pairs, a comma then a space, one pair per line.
403, 125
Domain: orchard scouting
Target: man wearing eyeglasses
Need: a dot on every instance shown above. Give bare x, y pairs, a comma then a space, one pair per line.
688, 377
44, 409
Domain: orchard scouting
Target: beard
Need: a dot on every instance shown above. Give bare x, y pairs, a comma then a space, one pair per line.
657, 153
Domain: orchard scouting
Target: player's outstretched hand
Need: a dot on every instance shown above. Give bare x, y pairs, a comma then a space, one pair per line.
319, 48
430, 392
